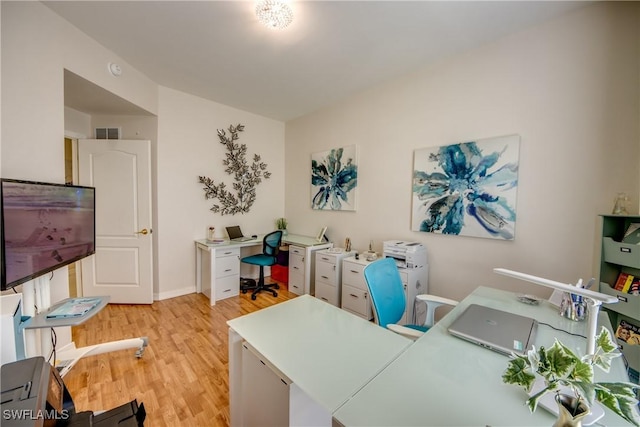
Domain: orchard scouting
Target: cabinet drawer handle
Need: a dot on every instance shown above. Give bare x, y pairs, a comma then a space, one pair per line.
325, 258
355, 271
324, 299
295, 268
325, 277
355, 296
228, 269
627, 250
227, 290
295, 286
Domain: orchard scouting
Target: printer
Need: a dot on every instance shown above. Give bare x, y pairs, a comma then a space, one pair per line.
406, 254
34, 395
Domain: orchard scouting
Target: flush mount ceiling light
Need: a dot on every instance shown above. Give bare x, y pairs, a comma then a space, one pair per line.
274, 13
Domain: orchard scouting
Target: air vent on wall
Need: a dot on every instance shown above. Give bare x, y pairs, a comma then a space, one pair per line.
108, 133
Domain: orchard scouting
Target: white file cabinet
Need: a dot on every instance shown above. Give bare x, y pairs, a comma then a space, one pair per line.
355, 294
302, 267
415, 281
296, 269
227, 270
329, 274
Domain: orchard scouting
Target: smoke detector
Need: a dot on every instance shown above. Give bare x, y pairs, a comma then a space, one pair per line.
115, 69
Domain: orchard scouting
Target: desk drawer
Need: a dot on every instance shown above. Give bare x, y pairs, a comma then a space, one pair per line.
227, 266
296, 282
227, 287
356, 301
296, 250
325, 272
352, 275
327, 293
227, 252
296, 262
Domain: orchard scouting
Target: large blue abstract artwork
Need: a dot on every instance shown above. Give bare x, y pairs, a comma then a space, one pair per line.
334, 179
467, 189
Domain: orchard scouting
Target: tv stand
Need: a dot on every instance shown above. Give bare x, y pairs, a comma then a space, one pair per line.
69, 355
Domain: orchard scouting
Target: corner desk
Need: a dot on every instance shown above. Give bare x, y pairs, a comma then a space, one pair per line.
218, 264
438, 380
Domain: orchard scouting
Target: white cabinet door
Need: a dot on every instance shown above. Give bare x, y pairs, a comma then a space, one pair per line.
265, 392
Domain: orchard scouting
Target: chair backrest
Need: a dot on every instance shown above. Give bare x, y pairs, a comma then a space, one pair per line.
271, 243
386, 290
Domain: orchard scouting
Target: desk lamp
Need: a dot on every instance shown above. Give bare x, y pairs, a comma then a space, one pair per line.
593, 299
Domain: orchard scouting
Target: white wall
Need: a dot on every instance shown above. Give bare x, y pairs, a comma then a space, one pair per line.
188, 147
569, 88
37, 45
77, 124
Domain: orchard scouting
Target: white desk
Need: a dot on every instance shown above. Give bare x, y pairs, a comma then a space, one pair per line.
327, 353
206, 277
445, 381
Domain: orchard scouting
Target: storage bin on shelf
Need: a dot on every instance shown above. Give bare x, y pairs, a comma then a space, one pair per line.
628, 304
621, 253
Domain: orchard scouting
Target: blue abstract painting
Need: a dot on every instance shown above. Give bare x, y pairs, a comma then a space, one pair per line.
334, 179
467, 189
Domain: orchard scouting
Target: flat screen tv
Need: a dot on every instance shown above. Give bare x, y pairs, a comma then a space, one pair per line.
44, 227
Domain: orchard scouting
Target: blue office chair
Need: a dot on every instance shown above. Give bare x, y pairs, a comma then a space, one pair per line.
388, 299
268, 257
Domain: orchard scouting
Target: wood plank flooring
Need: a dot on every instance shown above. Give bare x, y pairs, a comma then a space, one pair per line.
183, 376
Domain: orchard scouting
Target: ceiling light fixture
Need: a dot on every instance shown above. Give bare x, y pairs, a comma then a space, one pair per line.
274, 13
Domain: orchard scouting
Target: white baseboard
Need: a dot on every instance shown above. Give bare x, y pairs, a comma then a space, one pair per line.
174, 293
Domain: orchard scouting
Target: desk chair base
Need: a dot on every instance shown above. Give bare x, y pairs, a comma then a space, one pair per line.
247, 285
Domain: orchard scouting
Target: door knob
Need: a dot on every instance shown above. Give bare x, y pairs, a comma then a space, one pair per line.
143, 231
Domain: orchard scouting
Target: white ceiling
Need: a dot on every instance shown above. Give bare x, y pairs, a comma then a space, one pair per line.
333, 49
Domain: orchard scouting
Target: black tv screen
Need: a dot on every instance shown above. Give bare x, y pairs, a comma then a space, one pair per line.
44, 227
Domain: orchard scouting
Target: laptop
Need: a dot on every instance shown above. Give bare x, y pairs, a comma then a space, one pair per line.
236, 235
496, 330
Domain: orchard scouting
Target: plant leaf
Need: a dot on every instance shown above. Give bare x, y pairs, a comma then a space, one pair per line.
620, 398
560, 360
517, 373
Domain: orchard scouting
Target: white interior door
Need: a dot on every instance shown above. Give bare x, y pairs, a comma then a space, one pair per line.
121, 172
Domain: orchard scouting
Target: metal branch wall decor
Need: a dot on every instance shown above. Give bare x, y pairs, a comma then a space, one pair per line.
246, 176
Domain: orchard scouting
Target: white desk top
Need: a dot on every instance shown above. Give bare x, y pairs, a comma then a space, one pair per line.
293, 239
324, 350
445, 381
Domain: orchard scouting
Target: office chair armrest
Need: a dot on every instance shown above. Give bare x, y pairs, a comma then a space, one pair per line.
438, 301
412, 334
433, 302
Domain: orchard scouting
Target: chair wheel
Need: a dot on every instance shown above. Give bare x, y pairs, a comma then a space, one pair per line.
277, 286
253, 297
275, 294
244, 291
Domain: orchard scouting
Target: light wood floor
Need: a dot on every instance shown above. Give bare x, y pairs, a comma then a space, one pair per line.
183, 376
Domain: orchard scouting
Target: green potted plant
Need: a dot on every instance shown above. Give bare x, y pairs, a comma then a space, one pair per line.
560, 369
281, 224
